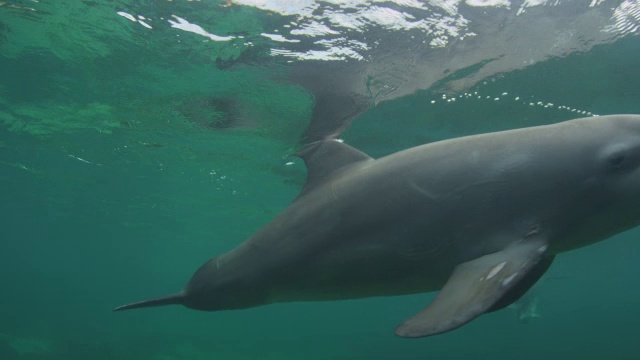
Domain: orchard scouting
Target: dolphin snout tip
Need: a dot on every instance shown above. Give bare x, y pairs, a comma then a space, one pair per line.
174, 299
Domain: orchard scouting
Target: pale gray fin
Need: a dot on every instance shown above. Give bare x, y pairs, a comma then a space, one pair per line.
323, 158
474, 288
521, 288
165, 300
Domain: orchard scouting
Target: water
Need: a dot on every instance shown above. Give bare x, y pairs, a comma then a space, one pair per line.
129, 155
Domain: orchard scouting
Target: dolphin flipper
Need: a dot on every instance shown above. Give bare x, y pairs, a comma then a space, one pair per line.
518, 290
477, 286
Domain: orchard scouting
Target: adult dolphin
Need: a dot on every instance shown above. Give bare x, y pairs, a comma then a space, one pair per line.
480, 217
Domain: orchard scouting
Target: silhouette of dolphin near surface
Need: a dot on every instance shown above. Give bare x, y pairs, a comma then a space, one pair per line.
479, 218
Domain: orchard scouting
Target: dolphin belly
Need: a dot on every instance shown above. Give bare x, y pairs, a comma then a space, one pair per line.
365, 271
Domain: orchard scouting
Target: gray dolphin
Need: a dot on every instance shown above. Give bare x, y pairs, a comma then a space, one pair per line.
479, 217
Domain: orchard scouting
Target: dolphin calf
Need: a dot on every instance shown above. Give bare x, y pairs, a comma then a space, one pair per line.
480, 218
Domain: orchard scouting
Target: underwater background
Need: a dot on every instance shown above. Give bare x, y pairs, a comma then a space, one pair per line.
140, 138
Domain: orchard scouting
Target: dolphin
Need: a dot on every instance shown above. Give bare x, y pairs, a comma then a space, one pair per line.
479, 218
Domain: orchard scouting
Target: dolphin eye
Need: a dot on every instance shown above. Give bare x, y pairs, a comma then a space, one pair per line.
617, 159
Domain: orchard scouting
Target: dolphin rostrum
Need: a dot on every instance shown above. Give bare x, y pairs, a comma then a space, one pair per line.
480, 217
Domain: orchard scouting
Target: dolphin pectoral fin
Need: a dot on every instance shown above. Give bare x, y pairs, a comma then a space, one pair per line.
521, 287
477, 286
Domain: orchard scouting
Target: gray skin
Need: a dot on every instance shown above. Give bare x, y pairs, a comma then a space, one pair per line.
479, 217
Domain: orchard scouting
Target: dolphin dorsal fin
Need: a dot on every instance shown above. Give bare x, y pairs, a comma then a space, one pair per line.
323, 158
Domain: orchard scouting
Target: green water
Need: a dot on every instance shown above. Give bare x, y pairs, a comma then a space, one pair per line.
127, 160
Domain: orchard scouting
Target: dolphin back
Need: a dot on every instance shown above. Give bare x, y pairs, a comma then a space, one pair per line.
174, 299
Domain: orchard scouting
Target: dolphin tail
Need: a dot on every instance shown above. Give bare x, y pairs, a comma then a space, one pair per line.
165, 300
